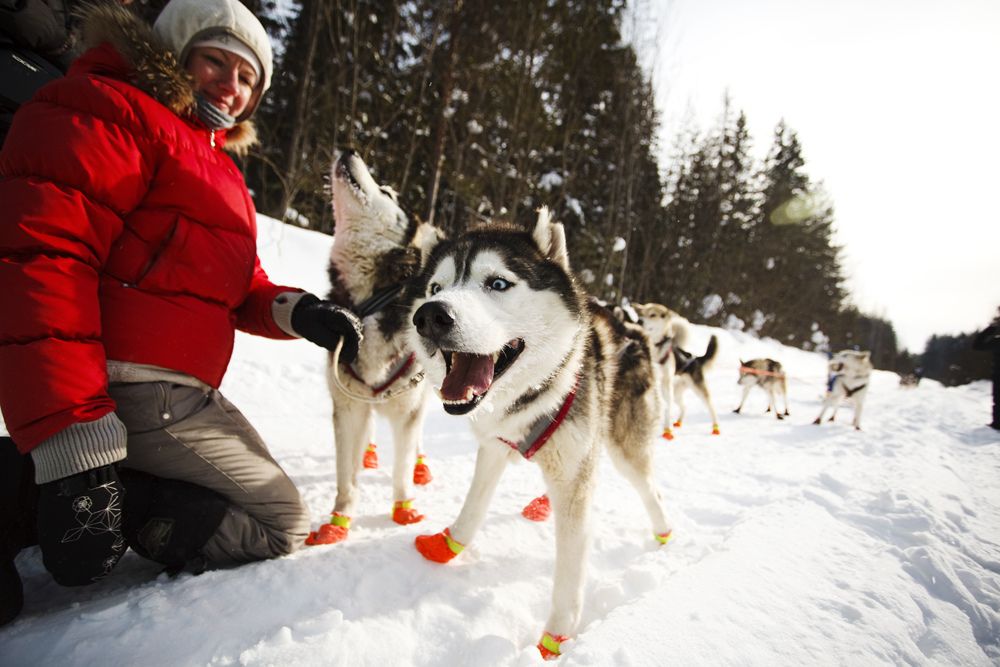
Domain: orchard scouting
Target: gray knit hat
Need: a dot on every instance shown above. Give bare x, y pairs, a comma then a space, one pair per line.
184, 23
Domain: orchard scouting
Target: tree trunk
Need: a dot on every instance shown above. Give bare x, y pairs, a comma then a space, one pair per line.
290, 182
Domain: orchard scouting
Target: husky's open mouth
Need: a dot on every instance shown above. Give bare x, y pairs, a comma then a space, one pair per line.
345, 173
469, 376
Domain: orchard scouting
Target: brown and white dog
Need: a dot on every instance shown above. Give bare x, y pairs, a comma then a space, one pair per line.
377, 248
679, 369
767, 374
508, 337
849, 375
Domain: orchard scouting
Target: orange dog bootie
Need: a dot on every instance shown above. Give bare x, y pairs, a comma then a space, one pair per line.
330, 533
421, 473
538, 509
550, 645
371, 457
404, 514
439, 548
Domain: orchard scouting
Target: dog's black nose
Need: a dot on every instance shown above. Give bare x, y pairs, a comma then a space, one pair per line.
434, 319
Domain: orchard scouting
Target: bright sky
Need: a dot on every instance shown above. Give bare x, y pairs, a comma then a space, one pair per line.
897, 107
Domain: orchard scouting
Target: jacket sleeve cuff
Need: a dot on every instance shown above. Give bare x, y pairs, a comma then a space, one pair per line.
281, 310
80, 447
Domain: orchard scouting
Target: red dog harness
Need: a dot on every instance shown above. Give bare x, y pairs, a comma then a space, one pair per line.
395, 375
543, 428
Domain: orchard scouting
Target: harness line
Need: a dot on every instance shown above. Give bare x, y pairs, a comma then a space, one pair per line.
755, 371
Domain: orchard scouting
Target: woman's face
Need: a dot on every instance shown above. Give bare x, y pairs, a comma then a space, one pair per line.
224, 78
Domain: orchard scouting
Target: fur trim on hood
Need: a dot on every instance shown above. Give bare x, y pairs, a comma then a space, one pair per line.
155, 69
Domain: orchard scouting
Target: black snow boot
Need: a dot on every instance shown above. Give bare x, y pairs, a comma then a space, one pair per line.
169, 521
18, 506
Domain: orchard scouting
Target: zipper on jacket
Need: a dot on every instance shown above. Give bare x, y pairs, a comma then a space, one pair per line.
211, 137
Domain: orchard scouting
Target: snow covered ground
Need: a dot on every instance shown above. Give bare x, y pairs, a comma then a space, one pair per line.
795, 544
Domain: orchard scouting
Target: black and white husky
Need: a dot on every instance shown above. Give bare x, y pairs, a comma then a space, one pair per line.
679, 369
377, 248
767, 374
849, 375
507, 336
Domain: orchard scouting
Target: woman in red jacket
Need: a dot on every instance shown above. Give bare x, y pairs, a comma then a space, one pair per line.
127, 259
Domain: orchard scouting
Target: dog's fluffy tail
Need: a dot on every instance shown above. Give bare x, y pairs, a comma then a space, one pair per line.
709, 356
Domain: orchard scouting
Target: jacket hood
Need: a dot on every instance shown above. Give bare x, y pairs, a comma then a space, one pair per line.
152, 66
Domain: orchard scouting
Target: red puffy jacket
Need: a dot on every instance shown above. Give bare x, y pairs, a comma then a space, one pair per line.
125, 233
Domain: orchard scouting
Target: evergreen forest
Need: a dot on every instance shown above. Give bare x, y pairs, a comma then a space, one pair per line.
479, 109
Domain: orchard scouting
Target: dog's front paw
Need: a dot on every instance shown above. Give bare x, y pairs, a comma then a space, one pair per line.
439, 548
404, 514
668, 434
330, 533
550, 645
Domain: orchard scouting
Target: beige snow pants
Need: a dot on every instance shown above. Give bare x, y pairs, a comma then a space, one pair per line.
196, 435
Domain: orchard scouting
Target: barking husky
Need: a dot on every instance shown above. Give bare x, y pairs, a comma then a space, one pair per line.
376, 249
679, 370
507, 336
769, 376
850, 372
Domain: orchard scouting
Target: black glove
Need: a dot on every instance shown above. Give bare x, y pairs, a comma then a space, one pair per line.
324, 323
80, 525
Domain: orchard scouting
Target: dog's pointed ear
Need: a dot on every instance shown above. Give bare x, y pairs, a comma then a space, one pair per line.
551, 238
425, 239
866, 356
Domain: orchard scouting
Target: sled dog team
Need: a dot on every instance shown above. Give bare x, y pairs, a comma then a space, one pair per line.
496, 322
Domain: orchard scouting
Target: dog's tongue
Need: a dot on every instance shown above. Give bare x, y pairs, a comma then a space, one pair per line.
468, 372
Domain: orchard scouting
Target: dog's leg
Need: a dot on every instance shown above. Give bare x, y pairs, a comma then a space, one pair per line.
635, 463
406, 432
702, 390
822, 411
746, 391
772, 402
784, 393
668, 395
491, 460
571, 500
858, 404
490, 463
679, 396
352, 425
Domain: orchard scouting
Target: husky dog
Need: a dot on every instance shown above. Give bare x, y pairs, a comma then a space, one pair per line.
769, 376
508, 337
377, 248
679, 369
849, 374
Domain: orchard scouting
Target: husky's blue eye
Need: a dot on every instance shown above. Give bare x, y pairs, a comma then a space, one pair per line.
499, 284
434, 288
